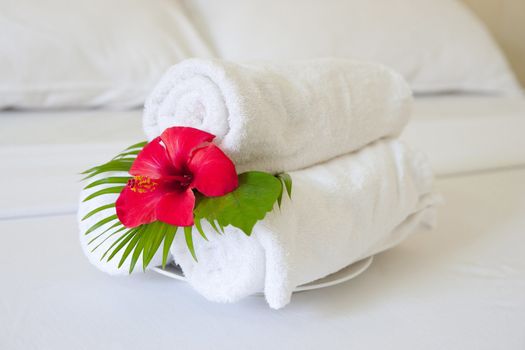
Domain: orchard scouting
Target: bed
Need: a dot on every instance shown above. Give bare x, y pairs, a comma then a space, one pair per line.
460, 286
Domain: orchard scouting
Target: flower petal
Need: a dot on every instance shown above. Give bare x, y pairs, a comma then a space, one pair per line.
181, 141
213, 172
137, 208
176, 208
152, 161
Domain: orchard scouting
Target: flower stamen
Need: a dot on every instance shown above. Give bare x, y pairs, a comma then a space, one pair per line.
142, 184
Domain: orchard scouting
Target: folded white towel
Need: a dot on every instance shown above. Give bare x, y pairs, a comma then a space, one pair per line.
340, 212
281, 117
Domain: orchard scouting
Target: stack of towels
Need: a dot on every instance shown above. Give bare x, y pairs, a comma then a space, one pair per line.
332, 125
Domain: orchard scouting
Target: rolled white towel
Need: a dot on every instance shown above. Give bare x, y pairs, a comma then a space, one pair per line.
281, 117
341, 211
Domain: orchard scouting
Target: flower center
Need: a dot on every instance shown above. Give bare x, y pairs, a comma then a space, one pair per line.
182, 181
186, 180
142, 184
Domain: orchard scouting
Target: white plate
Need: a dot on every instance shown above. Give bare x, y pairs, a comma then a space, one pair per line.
343, 275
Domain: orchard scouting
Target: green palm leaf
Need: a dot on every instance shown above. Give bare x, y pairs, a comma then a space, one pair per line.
101, 223
108, 180
156, 235
125, 239
117, 241
96, 210
287, 181
116, 224
107, 237
199, 228
108, 190
129, 248
139, 145
189, 241
116, 165
168, 240
136, 252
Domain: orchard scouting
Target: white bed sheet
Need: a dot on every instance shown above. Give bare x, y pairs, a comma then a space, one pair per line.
462, 134
460, 287
44, 151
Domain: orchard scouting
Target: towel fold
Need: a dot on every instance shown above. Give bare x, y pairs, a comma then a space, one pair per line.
281, 117
341, 211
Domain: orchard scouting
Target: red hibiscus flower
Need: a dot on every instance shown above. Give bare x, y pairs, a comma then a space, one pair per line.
166, 172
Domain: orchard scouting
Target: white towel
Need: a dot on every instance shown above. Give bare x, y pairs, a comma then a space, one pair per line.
281, 117
341, 211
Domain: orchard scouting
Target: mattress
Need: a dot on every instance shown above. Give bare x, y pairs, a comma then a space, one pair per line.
461, 286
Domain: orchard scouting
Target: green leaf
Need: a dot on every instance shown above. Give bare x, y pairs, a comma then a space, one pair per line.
132, 244
189, 241
242, 208
168, 240
149, 233
112, 163
155, 234
131, 234
154, 247
108, 190
287, 180
213, 225
108, 180
115, 165
136, 253
122, 162
137, 145
127, 155
128, 152
117, 241
105, 231
280, 197
199, 228
96, 210
101, 223
107, 237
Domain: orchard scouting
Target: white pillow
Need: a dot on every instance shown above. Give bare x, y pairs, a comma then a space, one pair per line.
438, 45
84, 53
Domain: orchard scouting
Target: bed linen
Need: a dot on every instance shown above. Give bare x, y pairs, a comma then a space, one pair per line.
461, 286
462, 134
